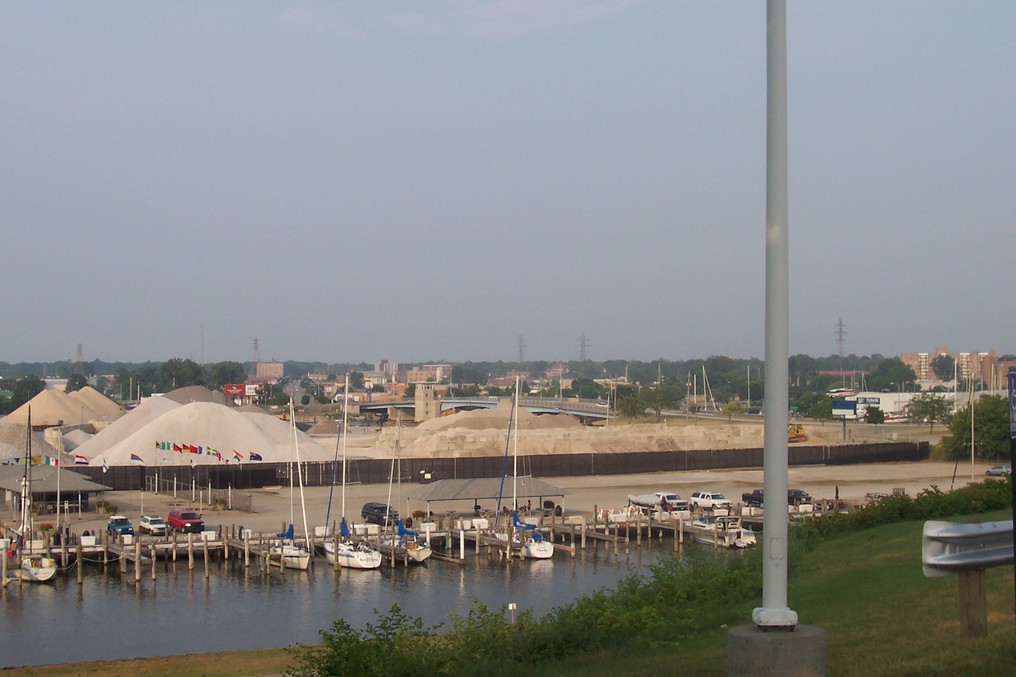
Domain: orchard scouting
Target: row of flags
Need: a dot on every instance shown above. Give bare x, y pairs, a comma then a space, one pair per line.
136, 459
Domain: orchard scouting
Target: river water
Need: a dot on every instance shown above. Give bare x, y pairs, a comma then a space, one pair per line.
110, 617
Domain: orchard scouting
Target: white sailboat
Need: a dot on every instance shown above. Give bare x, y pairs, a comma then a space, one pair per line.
293, 553
345, 551
34, 567
416, 550
531, 543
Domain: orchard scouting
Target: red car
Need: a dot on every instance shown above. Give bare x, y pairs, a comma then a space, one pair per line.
185, 521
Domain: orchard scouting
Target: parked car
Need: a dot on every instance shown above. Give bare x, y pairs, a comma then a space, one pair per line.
377, 512
798, 497
998, 471
709, 500
154, 525
186, 521
672, 501
118, 525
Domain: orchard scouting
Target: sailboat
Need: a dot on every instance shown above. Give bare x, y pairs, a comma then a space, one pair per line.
35, 567
531, 543
344, 551
293, 553
417, 550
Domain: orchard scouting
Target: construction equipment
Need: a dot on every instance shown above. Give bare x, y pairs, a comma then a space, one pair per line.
795, 433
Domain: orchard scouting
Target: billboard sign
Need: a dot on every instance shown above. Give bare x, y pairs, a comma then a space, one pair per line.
251, 390
233, 389
1012, 403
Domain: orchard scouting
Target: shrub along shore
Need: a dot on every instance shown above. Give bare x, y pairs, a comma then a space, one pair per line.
856, 575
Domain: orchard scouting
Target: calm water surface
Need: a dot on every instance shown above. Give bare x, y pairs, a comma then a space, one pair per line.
110, 617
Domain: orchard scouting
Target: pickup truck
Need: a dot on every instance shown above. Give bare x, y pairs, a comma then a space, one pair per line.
754, 499
709, 500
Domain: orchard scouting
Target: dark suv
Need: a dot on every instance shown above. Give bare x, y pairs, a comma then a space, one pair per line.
186, 521
119, 525
376, 513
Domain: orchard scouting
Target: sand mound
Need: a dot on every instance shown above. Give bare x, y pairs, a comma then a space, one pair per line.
209, 434
497, 419
134, 420
96, 401
75, 439
190, 394
326, 427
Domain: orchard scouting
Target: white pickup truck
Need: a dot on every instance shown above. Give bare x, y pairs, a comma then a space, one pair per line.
709, 500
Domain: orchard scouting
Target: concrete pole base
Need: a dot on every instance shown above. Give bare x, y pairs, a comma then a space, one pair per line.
778, 652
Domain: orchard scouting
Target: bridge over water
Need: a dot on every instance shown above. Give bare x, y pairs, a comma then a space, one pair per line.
582, 409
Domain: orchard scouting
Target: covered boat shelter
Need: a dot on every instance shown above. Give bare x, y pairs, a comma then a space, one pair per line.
471, 491
76, 491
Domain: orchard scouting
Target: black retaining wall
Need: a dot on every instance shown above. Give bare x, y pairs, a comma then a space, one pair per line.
376, 471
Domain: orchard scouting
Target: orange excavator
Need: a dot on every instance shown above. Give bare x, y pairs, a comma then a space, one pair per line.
795, 433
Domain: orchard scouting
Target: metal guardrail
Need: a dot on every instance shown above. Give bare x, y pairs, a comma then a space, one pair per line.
950, 547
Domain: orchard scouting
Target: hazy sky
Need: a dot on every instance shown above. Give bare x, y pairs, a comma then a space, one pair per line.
418, 181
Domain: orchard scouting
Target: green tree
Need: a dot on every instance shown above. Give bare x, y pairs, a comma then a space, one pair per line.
733, 408
891, 375
874, 415
991, 431
75, 382
355, 380
278, 398
630, 405
928, 407
821, 409
660, 396
25, 388
222, 373
944, 367
180, 373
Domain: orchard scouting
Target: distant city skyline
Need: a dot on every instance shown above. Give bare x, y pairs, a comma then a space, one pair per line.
430, 181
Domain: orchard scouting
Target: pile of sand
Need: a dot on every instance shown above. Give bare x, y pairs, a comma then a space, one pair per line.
497, 419
173, 437
189, 394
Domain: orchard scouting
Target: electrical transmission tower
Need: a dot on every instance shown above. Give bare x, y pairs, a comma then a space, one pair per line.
257, 353
79, 363
583, 354
522, 349
840, 334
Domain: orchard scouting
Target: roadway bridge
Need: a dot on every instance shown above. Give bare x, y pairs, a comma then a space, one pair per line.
586, 410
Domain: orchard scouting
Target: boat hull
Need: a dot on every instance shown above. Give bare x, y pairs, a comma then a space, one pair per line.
352, 556
538, 549
292, 556
38, 569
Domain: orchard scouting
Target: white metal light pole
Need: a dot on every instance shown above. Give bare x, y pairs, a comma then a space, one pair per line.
774, 612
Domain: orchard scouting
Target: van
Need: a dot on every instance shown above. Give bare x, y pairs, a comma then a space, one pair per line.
379, 512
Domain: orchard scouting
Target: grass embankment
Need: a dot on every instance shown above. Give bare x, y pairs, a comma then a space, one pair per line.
858, 578
867, 592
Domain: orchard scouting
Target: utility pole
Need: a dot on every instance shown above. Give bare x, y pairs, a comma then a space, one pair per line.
776, 644
840, 333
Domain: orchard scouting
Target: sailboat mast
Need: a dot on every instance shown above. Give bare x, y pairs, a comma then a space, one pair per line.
515, 452
26, 486
299, 474
292, 424
345, 418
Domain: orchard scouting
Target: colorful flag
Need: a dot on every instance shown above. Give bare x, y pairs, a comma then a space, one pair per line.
238, 456
137, 459
80, 460
105, 465
255, 456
